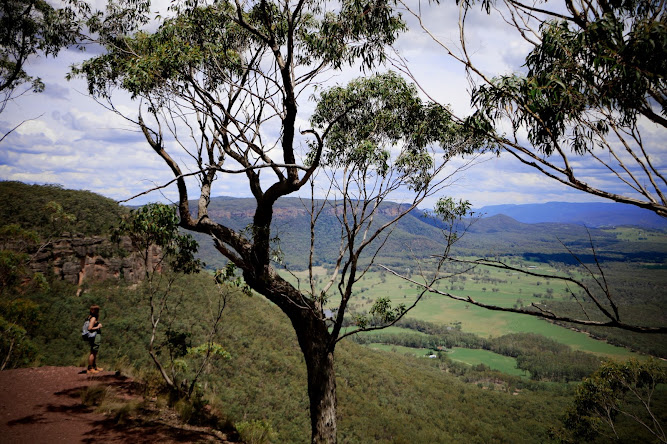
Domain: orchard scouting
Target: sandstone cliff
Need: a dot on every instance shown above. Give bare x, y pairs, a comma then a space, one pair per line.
85, 259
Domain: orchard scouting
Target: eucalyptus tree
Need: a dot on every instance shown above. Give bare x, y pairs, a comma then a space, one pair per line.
589, 107
222, 89
153, 232
627, 389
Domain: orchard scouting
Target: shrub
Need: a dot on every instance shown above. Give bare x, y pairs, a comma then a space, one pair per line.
94, 395
256, 432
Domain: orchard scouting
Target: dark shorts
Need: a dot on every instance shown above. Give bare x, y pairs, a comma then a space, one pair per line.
95, 342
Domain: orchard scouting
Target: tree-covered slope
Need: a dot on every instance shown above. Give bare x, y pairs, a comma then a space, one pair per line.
291, 229
26, 205
415, 236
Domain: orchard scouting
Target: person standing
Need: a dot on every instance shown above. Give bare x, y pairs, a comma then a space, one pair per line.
94, 338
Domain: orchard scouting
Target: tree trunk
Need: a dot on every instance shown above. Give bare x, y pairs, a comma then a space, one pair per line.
322, 396
316, 346
319, 356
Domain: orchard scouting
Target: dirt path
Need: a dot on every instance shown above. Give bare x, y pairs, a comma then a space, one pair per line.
44, 405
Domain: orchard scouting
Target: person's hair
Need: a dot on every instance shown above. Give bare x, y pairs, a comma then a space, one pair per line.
95, 310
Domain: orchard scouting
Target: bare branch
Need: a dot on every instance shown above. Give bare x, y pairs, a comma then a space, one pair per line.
17, 126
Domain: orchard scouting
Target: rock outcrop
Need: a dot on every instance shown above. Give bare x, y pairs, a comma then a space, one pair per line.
85, 259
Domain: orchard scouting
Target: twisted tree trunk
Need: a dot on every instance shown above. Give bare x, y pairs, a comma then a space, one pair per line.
315, 341
321, 382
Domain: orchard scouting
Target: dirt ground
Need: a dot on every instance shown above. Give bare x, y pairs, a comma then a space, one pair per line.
44, 405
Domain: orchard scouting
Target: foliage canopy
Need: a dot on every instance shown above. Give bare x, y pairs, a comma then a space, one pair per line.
29, 28
615, 390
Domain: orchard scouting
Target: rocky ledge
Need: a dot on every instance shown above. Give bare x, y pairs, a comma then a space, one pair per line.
84, 259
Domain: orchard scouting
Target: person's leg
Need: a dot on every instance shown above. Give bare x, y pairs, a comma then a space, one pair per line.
96, 342
92, 358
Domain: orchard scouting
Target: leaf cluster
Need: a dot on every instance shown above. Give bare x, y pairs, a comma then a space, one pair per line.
229, 275
616, 389
371, 118
357, 30
204, 41
582, 73
29, 28
157, 224
380, 314
19, 320
208, 44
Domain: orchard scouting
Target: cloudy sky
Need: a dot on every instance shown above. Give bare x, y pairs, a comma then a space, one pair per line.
71, 140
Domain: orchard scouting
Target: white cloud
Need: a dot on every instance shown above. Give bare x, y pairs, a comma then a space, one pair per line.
37, 128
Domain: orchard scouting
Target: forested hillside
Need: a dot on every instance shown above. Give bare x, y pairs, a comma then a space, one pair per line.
416, 235
28, 206
291, 231
384, 397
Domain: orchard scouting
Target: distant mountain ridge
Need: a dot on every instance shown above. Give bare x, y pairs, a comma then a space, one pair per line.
417, 236
591, 214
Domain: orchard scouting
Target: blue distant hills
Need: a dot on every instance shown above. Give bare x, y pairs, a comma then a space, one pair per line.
592, 214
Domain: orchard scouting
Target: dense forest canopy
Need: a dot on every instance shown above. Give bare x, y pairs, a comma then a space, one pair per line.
28, 206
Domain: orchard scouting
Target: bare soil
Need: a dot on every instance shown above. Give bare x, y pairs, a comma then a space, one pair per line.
44, 404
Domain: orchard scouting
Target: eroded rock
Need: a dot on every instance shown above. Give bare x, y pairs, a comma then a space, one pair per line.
88, 259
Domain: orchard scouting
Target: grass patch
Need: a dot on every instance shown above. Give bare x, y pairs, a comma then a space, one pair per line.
94, 395
386, 331
256, 432
493, 360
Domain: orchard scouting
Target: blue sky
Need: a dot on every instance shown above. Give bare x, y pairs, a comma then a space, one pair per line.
74, 141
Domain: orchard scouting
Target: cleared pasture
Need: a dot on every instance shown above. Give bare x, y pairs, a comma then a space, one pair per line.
503, 364
500, 287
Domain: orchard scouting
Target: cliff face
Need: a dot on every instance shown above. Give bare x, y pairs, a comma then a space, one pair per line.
293, 212
85, 259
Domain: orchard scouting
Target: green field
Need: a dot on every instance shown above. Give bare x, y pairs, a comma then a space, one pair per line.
492, 286
396, 331
635, 234
489, 323
467, 356
495, 361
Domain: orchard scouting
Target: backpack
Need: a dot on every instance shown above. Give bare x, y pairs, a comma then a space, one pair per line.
85, 334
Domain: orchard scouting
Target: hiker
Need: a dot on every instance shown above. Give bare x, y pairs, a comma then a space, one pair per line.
94, 338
